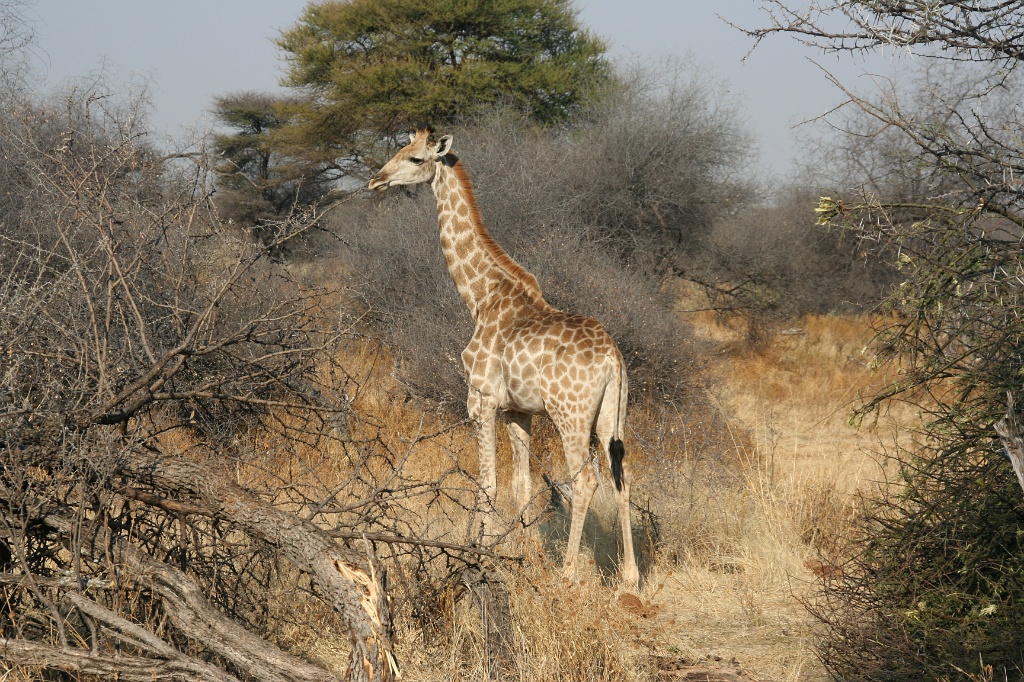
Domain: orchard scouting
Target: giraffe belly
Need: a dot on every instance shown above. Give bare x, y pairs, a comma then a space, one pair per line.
522, 398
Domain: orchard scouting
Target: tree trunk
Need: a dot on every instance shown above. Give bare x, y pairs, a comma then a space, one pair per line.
1012, 437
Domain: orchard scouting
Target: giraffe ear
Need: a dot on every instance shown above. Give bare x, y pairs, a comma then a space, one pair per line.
444, 145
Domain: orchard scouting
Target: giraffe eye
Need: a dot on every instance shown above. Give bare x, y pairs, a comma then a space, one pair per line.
416, 160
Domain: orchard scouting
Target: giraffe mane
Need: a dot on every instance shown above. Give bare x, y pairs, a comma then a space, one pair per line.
500, 256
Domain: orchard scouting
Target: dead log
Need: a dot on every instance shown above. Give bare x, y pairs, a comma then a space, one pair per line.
347, 578
185, 605
108, 666
1012, 437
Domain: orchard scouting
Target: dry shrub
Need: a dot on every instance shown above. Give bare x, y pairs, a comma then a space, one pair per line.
655, 165
404, 293
146, 353
521, 174
771, 262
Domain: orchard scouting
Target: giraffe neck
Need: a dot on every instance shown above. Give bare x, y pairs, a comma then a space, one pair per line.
477, 264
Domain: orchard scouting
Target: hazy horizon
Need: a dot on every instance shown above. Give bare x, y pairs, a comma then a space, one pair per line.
190, 52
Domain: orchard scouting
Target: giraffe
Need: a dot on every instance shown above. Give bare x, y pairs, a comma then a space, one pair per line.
526, 357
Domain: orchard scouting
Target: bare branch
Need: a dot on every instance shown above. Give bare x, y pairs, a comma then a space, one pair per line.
347, 578
119, 667
962, 31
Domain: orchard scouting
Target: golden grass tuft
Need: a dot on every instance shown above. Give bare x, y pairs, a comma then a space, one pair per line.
578, 632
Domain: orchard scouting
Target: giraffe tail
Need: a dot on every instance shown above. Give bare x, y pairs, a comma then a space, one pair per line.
616, 450
616, 453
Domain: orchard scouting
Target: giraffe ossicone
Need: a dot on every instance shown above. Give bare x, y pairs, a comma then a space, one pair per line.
526, 357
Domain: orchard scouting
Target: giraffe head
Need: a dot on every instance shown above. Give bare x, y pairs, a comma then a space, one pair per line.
414, 163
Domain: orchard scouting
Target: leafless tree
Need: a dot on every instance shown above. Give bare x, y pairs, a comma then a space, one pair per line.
960, 31
150, 365
931, 165
17, 39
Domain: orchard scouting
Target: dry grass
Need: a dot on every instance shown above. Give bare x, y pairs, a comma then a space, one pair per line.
556, 631
744, 500
795, 399
750, 524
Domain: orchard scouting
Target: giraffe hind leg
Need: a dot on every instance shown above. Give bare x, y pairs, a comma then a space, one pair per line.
628, 570
607, 434
616, 453
583, 487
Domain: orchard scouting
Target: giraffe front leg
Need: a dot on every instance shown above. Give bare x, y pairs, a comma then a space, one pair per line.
483, 410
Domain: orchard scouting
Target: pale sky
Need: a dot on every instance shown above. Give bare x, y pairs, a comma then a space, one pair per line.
193, 50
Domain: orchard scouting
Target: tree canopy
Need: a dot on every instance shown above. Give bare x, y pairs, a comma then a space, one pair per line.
257, 183
247, 152
368, 69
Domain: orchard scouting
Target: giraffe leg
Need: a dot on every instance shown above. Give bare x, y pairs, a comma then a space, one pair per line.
575, 444
614, 450
483, 411
628, 570
519, 429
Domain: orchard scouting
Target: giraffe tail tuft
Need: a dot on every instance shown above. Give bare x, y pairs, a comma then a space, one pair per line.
616, 453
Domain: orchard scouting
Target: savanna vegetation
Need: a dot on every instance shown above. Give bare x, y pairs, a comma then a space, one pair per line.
934, 584
232, 425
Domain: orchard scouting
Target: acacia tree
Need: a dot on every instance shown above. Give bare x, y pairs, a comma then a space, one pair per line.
935, 581
248, 177
257, 185
367, 69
